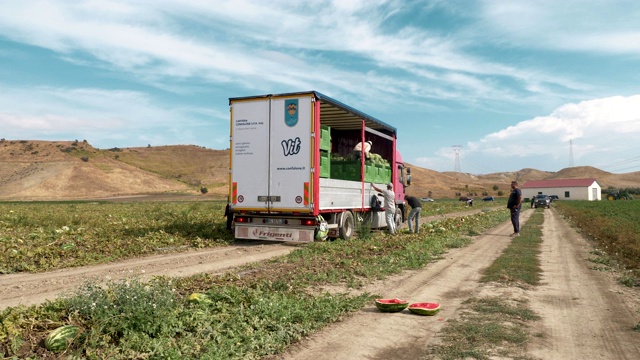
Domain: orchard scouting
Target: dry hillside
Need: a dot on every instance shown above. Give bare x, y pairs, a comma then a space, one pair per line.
53, 170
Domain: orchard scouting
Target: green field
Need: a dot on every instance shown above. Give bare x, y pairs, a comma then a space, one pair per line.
612, 225
37, 237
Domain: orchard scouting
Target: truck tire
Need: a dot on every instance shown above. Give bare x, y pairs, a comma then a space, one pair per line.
347, 225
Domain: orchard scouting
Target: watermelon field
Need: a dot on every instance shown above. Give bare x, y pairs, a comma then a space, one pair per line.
613, 226
254, 311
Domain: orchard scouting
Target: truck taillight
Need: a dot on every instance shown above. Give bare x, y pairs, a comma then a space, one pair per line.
308, 222
242, 219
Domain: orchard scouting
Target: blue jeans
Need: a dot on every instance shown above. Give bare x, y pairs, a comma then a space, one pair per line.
414, 214
515, 219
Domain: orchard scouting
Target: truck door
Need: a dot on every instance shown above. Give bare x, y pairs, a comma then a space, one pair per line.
271, 160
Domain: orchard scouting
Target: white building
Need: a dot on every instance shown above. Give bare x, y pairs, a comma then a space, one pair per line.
565, 189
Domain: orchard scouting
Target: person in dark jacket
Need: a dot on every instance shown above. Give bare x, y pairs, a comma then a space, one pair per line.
514, 204
416, 208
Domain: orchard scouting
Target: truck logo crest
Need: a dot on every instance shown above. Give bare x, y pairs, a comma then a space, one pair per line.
291, 109
291, 146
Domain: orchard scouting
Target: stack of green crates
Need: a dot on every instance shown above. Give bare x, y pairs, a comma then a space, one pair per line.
325, 148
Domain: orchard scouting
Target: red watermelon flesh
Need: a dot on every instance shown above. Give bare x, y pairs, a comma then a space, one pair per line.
391, 305
424, 308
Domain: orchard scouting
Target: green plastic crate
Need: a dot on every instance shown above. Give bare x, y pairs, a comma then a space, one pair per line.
370, 173
325, 164
325, 138
337, 169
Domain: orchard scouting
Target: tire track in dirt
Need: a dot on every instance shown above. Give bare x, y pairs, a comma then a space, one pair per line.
585, 313
371, 334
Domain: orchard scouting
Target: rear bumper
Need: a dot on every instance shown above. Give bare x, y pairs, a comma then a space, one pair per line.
274, 233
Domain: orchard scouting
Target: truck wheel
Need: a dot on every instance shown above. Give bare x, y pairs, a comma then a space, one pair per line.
347, 225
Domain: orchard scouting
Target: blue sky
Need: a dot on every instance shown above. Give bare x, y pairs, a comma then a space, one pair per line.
517, 84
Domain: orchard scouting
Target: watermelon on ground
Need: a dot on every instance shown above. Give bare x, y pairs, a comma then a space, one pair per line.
391, 305
425, 308
61, 337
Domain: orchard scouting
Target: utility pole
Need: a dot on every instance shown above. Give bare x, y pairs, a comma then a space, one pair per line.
570, 152
457, 149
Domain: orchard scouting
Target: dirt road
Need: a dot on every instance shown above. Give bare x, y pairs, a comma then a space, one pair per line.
586, 315
29, 289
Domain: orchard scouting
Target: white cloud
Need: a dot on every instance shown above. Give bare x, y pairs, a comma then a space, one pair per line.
263, 45
601, 131
101, 117
592, 26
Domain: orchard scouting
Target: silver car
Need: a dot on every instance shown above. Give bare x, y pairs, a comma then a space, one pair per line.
542, 201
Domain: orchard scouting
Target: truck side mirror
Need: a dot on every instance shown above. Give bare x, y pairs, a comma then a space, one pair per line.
408, 176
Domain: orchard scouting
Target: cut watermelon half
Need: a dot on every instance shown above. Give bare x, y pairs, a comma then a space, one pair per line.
391, 305
425, 308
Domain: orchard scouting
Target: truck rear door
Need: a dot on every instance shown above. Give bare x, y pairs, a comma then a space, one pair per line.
272, 153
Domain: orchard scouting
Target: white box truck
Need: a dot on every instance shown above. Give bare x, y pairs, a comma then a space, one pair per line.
292, 176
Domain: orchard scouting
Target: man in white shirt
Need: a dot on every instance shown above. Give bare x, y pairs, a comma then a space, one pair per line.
389, 206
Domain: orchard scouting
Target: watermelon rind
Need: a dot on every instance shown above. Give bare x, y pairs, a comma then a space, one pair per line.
60, 338
429, 309
391, 305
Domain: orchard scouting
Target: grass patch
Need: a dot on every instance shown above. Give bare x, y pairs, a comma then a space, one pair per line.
497, 327
488, 328
520, 262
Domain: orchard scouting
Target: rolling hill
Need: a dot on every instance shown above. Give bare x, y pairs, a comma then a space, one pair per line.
68, 170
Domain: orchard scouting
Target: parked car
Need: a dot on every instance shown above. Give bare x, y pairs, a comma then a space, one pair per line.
488, 198
542, 201
426, 199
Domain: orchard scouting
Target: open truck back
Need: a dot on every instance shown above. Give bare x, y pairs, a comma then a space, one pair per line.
291, 174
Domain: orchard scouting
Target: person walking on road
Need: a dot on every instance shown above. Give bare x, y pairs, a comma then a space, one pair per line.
389, 206
416, 208
514, 204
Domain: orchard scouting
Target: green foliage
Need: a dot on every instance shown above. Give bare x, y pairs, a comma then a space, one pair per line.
126, 307
520, 261
487, 323
613, 226
45, 236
